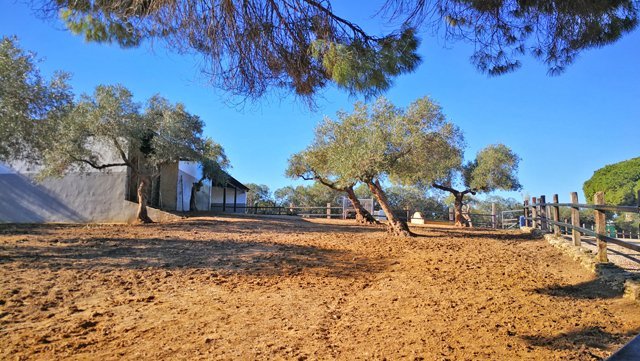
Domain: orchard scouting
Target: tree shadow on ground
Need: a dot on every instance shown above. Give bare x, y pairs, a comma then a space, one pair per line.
13, 229
475, 233
224, 256
259, 224
237, 224
590, 337
594, 289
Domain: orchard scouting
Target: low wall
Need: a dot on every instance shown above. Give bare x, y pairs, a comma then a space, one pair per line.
75, 198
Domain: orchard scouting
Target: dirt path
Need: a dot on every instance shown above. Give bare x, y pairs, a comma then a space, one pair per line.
241, 288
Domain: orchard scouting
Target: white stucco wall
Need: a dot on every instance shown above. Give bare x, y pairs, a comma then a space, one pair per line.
82, 195
76, 197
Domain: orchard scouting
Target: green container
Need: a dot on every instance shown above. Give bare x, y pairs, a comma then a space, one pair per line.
610, 230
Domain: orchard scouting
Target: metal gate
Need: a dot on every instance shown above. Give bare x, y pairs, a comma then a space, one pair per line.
510, 219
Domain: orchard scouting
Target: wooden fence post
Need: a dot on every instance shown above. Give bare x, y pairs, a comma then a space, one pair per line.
575, 219
328, 210
525, 211
494, 221
543, 213
534, 212
638, 201
451, 215
600, 220
555, 213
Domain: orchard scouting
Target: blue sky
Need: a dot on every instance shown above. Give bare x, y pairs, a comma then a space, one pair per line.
563, 127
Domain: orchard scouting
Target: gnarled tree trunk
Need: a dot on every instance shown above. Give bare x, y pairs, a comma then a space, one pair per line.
457, 206
395, 226
142, 215
362, 214
459, 219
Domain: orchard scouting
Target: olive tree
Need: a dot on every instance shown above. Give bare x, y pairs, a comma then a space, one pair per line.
495, 167
313, 164
144, 141
29, 104
381, 142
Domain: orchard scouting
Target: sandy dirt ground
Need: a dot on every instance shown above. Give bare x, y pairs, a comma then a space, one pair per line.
244, 288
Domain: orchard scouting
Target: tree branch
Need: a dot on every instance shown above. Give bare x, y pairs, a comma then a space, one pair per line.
470, 190
98, 166
445, 188
322, 181
123, 155
357, 30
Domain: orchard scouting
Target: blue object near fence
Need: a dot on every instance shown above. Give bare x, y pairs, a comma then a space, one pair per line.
523, 222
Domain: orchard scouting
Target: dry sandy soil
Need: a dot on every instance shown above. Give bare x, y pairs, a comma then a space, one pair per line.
242, 288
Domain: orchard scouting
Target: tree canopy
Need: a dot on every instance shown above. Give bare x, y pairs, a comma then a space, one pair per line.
259, 195
495, 167
29, 104
554, 32
412, 146
250, 46
314, 195
161, 134
620, 183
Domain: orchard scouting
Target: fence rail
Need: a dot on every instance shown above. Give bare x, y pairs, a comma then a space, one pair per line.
303, 211
491, 220
546, 216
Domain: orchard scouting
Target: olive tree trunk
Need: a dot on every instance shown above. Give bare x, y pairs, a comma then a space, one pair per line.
362, 214
142, 215
457, 206
395, 226
460, 219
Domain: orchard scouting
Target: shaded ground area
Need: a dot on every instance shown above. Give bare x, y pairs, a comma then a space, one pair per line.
245, 288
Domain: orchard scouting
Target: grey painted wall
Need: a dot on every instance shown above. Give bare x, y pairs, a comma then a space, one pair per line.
76, 197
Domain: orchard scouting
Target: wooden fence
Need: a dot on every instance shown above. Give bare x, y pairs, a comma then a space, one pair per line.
327, 211
489, 220
546, 216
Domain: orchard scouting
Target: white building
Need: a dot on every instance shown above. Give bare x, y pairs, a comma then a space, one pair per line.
176, 182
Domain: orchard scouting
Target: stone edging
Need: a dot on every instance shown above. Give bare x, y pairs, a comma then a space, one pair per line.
608, 272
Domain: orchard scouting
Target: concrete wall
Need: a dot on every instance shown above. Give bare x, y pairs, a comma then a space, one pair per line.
76, 197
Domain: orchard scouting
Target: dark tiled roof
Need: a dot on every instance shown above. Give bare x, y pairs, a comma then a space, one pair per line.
233, 183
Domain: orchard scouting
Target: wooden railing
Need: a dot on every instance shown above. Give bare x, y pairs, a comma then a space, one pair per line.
304, 211
546, 216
